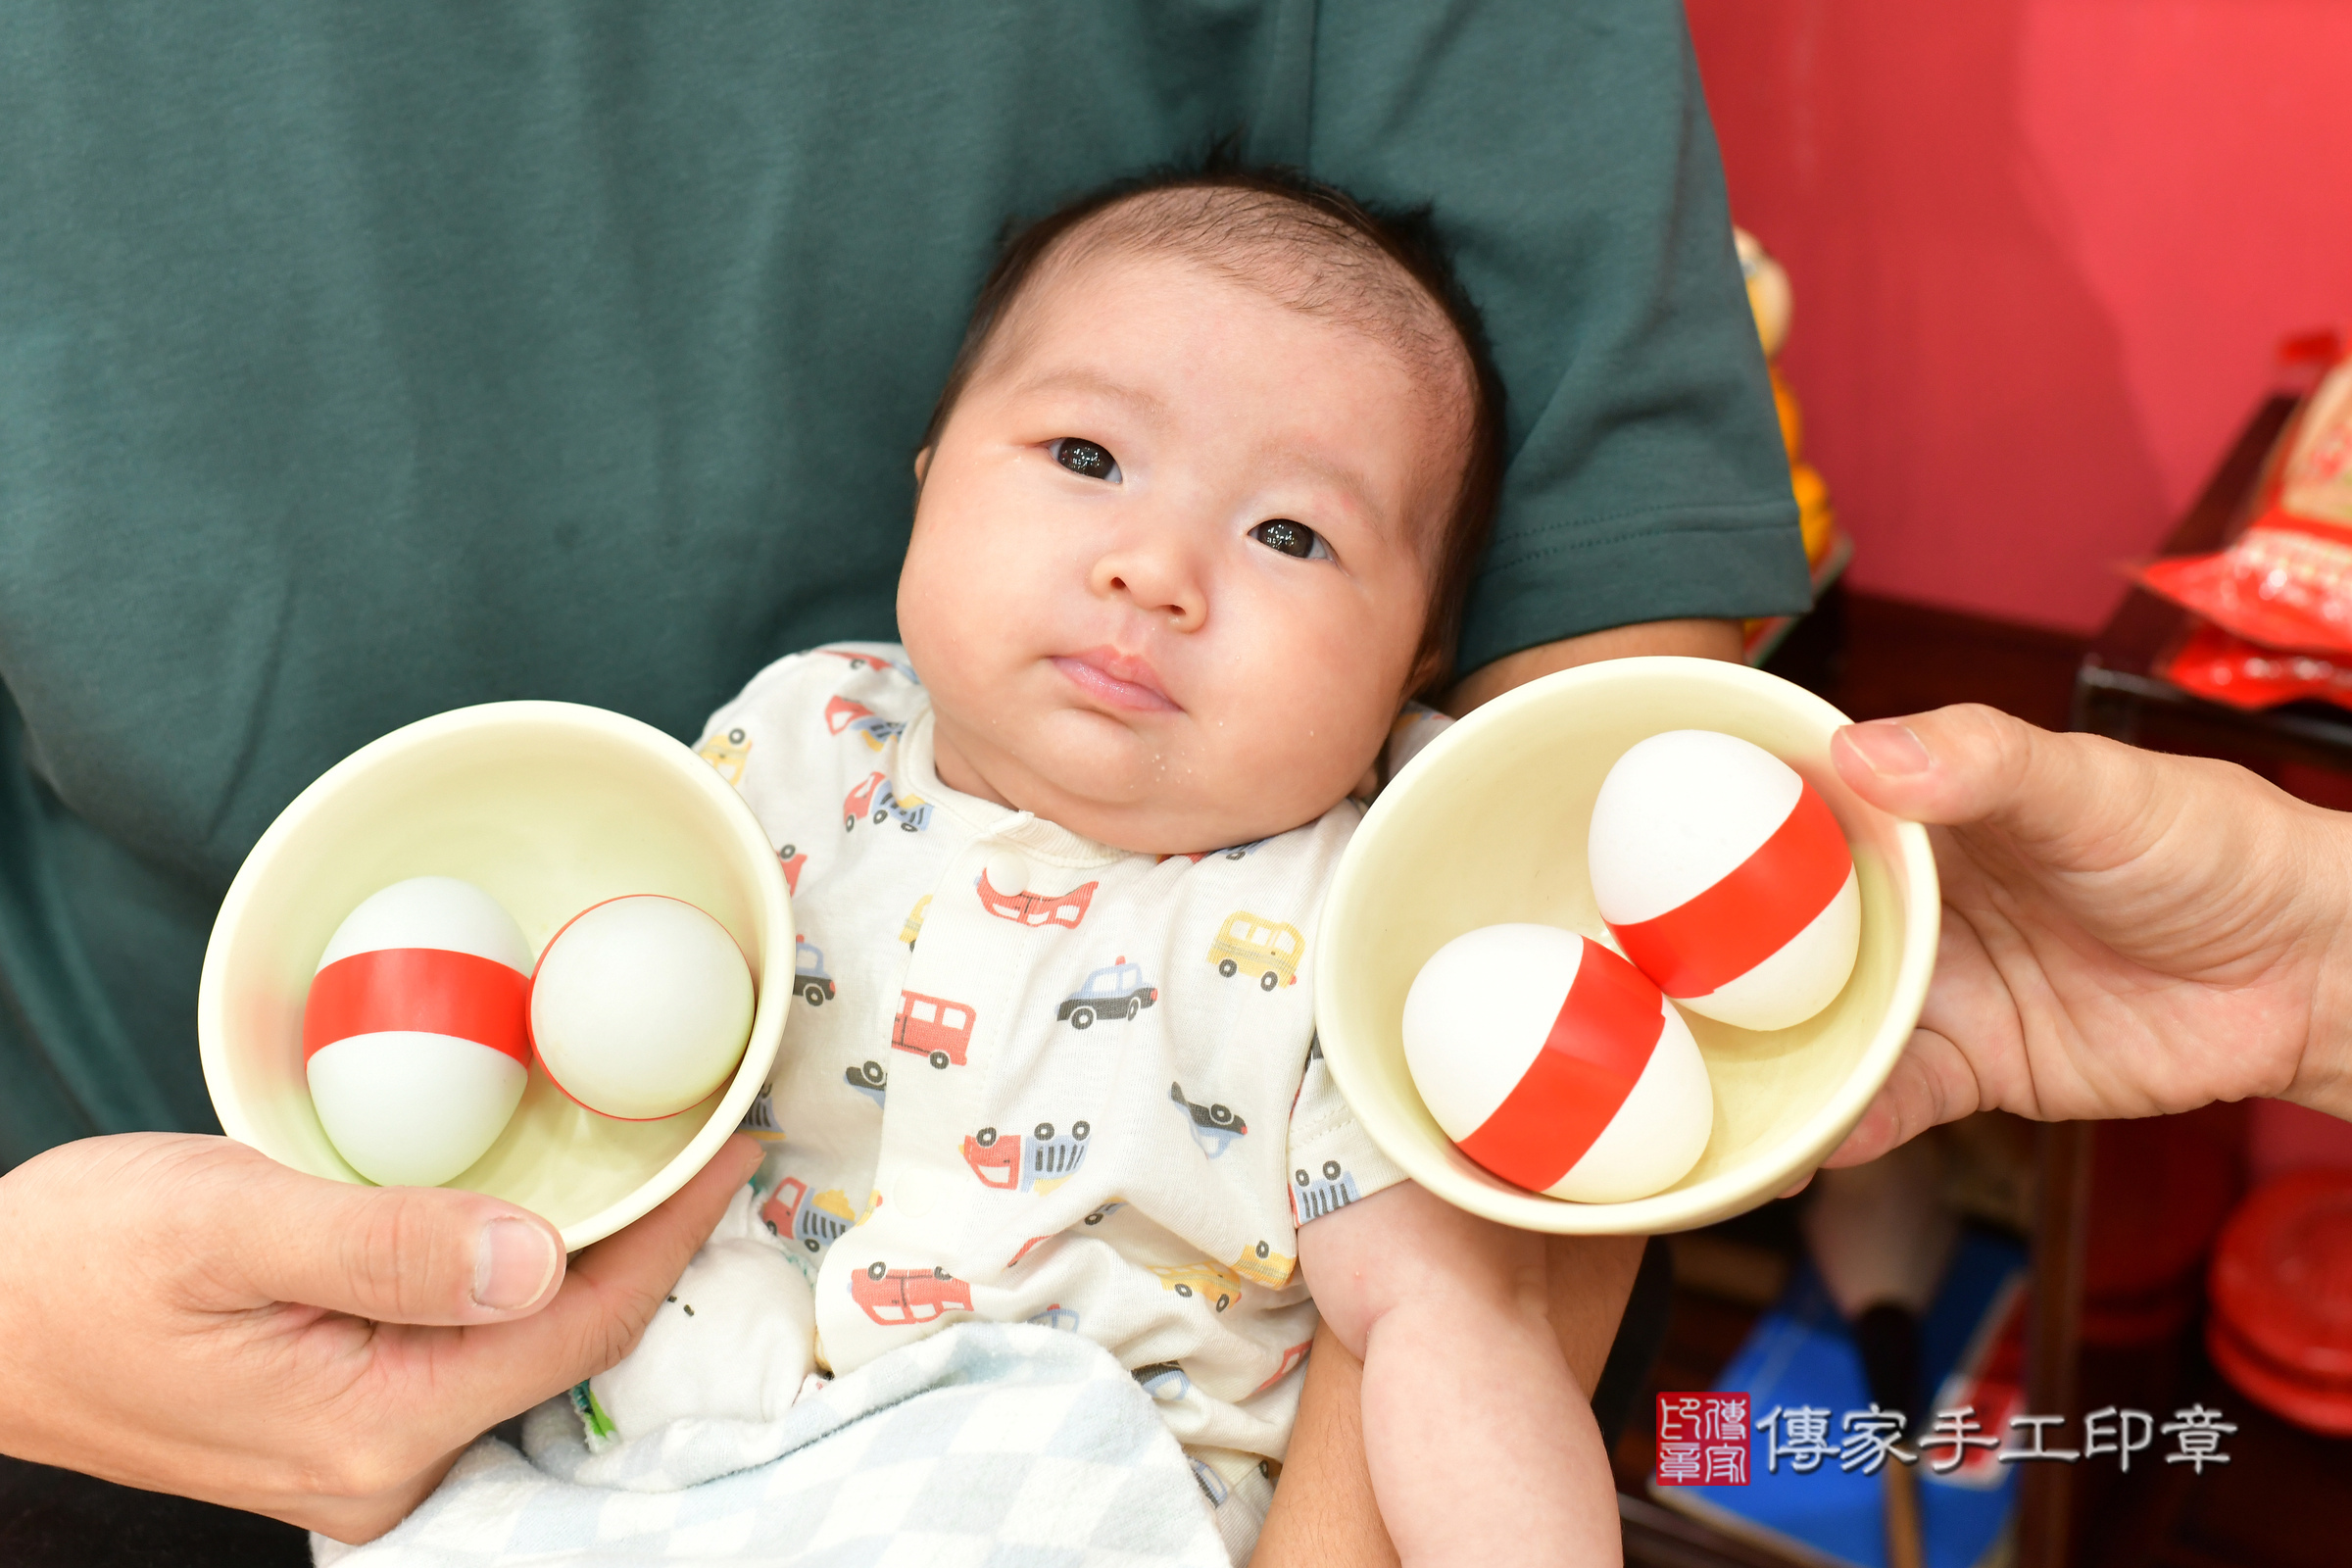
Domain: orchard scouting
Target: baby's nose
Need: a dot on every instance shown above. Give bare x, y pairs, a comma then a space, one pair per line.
1161, 582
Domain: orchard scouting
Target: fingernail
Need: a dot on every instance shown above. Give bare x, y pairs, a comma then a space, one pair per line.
1891, 749
512, 1262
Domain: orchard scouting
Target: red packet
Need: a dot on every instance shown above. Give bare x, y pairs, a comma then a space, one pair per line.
2230, 670
2287, 581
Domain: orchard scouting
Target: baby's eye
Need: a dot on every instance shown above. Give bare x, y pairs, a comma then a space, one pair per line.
1083, 457
1292, 539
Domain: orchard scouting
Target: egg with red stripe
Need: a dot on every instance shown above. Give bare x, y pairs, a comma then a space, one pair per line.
413, 1036
1724, 878
1555, 1065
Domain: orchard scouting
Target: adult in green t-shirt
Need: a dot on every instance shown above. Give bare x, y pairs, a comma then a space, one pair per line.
356, 365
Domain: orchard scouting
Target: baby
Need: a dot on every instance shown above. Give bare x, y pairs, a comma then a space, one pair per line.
1195, 518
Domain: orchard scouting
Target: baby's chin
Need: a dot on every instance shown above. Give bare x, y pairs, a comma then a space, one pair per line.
1139, 791
1163, 816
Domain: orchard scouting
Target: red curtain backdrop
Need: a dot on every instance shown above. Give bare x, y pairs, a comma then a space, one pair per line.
2042, 252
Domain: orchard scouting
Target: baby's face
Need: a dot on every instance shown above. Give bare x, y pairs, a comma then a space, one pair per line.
1172, 555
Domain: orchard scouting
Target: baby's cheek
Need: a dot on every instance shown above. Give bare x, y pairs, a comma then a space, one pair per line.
1311, 756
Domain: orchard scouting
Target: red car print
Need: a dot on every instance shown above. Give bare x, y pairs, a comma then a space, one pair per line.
893, 1296
790, 857
997, 1159
1290, 1358
843, 716
1038, 908
861, 799
841, 713
875, 797
932, 1027
811, 1221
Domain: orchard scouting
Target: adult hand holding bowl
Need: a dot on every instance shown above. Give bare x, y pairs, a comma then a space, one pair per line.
550, 808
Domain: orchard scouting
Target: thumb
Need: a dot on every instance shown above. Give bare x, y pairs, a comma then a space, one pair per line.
394, 1254
1971, 764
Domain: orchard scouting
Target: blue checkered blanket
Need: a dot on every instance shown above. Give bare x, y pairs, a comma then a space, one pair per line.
983, 1445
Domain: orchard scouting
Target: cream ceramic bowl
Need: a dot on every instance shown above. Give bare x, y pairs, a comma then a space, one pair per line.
1487, 825
549, 807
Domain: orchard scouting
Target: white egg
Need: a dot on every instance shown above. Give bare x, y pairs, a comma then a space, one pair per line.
641, 1007
1724, 877
1555, 1065
415, 1041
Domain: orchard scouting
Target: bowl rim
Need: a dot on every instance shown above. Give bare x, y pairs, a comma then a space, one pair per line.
770, 1010
1732, 1192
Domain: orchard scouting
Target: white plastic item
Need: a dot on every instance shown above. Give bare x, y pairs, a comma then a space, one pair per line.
1557, 1066
1724, 877
413, 1031
640, 1006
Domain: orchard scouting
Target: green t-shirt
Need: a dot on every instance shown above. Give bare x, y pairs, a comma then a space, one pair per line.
361, 361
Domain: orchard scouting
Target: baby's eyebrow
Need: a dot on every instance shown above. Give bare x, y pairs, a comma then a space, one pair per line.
1344, 479
1077, 378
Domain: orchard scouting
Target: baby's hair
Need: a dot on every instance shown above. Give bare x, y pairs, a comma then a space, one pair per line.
1315, 248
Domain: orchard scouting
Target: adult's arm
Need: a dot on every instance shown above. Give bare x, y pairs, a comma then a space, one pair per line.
184, 1314
2125, 933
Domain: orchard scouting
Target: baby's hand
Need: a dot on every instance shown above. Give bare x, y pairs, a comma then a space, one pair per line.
1481, 1446
735, 1341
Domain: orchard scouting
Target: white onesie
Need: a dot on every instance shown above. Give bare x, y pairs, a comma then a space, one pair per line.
1029, 1077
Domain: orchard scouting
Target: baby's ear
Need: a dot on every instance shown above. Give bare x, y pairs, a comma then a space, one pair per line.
922, 466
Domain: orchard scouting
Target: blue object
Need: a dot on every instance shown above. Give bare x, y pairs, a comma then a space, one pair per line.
1801, 1352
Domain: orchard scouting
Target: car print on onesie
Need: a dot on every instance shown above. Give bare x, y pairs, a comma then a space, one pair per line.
1164, 1381
915, 921
842, 716
857, 661
1240, 851
1311, 1198
727, 754
808, 976
1290, 1358
1213, 1283
1057, 1316
1115, 991
813, 1222
1264, 1266
1008, 1163
790, 857
1213, 1126
868, 1078
1109, 1208
761, 1120
1026, 907
934, 1028
895, 1295
875, 797
1252, 945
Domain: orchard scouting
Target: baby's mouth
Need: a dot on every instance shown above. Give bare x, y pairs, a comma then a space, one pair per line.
1121, 680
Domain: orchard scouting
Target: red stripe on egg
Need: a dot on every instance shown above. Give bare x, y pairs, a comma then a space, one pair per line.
427, 991
1601, 1039
1756, 909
